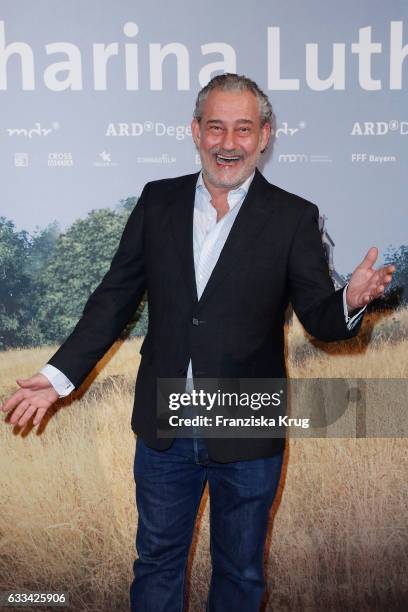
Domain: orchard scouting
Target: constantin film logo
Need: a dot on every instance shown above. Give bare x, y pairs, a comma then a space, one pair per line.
164, 158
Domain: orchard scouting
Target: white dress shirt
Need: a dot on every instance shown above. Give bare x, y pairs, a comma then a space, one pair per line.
209, 237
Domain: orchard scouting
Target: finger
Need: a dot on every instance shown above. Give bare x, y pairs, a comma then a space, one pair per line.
13, 401
27, 415
380, 277
24, 382
370, 259
371, 287
20, 410
373, 293
39, 416
34, 382
385, 281
385, 271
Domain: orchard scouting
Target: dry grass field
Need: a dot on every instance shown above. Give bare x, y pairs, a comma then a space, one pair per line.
338, 536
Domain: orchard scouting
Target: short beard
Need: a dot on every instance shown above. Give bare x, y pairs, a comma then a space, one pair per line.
228, 184
222, 184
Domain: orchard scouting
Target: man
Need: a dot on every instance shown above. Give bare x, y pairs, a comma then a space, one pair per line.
221, 254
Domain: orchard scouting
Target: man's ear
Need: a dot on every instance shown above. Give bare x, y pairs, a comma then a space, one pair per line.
265, 136
195, 131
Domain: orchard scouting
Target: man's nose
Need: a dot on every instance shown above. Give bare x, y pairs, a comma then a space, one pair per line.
228, 141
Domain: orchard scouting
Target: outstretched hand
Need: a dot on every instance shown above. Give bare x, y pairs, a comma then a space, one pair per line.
367, 284
34, 398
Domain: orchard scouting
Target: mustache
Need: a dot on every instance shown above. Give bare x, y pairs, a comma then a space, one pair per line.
233, 153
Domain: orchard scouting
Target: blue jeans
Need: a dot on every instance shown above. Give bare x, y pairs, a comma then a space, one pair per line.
169, 486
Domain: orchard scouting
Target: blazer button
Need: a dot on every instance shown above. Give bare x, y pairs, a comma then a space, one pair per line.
195, 321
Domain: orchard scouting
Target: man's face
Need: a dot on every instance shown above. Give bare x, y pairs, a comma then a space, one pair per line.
229, 137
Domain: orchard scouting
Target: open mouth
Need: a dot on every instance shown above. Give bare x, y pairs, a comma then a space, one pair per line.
227, 160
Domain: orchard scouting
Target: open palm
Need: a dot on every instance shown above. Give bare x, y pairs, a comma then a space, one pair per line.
35, 396
366, 283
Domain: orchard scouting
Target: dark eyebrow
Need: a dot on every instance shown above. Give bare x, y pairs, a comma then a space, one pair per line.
219, 122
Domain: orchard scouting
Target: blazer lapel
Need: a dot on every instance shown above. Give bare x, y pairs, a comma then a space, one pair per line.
255, 210
181, 211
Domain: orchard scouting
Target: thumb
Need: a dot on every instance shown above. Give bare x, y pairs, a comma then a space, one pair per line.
34, 381
370, 259
24, 382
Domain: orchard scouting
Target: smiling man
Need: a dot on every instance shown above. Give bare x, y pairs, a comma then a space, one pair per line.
230, 138
230, 135
222, 254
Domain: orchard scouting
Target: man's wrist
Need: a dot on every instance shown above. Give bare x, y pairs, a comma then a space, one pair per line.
62, 385
351, 315
350, 309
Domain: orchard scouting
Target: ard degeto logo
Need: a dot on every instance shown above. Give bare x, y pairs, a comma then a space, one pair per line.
151, 128
38, 130
379, 128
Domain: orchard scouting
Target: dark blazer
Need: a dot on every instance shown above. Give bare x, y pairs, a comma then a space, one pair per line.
272, 256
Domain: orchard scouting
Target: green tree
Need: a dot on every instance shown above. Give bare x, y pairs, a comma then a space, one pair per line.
42, 243
399, 284
80, 258
17, 327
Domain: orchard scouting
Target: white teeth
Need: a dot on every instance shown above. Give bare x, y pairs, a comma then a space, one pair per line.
223, 158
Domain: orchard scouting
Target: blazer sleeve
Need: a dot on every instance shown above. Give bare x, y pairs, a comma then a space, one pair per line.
312, 294
111, 306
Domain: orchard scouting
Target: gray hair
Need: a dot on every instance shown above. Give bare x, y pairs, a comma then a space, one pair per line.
235, 82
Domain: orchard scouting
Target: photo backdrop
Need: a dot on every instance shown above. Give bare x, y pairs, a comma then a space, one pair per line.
96, 99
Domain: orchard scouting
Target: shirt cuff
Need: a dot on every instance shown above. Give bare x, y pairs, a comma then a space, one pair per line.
62, 385
351, 321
